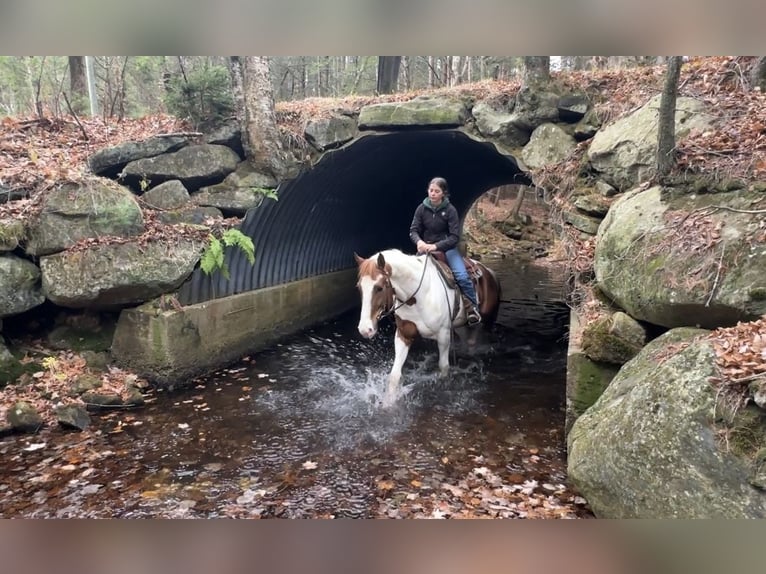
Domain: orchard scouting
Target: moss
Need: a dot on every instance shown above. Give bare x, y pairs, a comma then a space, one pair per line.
12, 232
11, 370
758, 294
158, 340
589, 380
75, 339
600, 344
746, 428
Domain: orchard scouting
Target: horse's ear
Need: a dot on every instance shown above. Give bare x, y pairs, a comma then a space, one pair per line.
381, 262
358, 259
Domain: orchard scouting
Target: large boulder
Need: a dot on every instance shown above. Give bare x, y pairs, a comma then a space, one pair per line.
423, 111
73, 212
329, 133
194, 166
501, 125
117, 275
549, 144
19, 285
666, 260
109, 162
624, 152
649, 446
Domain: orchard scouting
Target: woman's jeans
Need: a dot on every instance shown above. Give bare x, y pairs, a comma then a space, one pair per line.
455, 262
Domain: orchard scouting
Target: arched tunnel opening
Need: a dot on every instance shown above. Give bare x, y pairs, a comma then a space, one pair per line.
359, 198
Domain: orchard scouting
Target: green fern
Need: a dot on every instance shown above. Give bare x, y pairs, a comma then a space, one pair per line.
212, 259
266, 192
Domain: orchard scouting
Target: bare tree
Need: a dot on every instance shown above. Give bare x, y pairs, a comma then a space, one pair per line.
666, 134
758, 75
537, 69
388, 73
260, 134
78, 84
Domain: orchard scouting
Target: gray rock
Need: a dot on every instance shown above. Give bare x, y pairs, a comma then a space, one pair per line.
572, 108
500, 125
424, 111
605, 189
109, 162
19, 285
23, 417
584, 223
195, 166
73, 417
329, 133
116, 275
169, 195
648, 447
73, 212
12, 232
623, 153
643, 261
549, 144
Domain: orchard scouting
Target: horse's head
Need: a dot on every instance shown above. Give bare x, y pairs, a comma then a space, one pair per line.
377, 293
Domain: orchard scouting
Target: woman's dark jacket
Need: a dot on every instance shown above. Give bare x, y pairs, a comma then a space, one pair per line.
440, 226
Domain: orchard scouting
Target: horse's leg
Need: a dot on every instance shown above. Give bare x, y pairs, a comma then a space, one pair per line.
402, 349
443, 340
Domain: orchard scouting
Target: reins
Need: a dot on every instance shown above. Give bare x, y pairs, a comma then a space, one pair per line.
394, 306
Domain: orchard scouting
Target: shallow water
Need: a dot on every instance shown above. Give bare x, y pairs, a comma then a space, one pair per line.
298, 431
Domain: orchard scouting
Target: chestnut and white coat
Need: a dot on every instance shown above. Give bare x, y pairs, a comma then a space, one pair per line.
423, 304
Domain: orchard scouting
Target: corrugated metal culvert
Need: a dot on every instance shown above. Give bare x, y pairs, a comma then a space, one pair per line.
358, 198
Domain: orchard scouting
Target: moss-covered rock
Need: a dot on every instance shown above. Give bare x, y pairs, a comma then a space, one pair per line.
650, 446
23, 417
614, 339
586, 381
660, 270
12, 233
422, 111
72, 212
115, 275
19, 285
623, 153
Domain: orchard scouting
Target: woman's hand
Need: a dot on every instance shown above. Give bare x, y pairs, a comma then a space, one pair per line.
424, 247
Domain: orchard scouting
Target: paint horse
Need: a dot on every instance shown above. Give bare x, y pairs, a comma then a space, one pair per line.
424, 300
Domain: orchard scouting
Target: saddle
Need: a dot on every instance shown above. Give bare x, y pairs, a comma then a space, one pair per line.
475, 272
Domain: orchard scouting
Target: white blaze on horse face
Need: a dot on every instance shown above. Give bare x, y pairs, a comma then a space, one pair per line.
368, 322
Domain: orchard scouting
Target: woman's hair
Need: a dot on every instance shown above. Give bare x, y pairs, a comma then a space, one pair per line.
441, 183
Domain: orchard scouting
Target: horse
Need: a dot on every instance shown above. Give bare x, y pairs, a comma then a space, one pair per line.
424, 300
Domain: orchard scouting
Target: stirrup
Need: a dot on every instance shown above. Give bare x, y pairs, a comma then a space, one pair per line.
473, 316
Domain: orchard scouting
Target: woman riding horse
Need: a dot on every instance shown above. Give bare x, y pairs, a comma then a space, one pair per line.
436, 227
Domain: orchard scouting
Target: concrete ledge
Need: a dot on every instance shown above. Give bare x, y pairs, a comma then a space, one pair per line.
169, 348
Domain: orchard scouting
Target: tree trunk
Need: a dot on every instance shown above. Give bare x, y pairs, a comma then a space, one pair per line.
388, 72
758, 75
260, 133
78, 84
666, 136
520, 194
537, 69
238, 93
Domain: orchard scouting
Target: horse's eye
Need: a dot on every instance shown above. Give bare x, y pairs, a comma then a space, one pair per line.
378, 288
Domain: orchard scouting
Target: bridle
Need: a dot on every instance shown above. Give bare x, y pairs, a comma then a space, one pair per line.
391, 293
